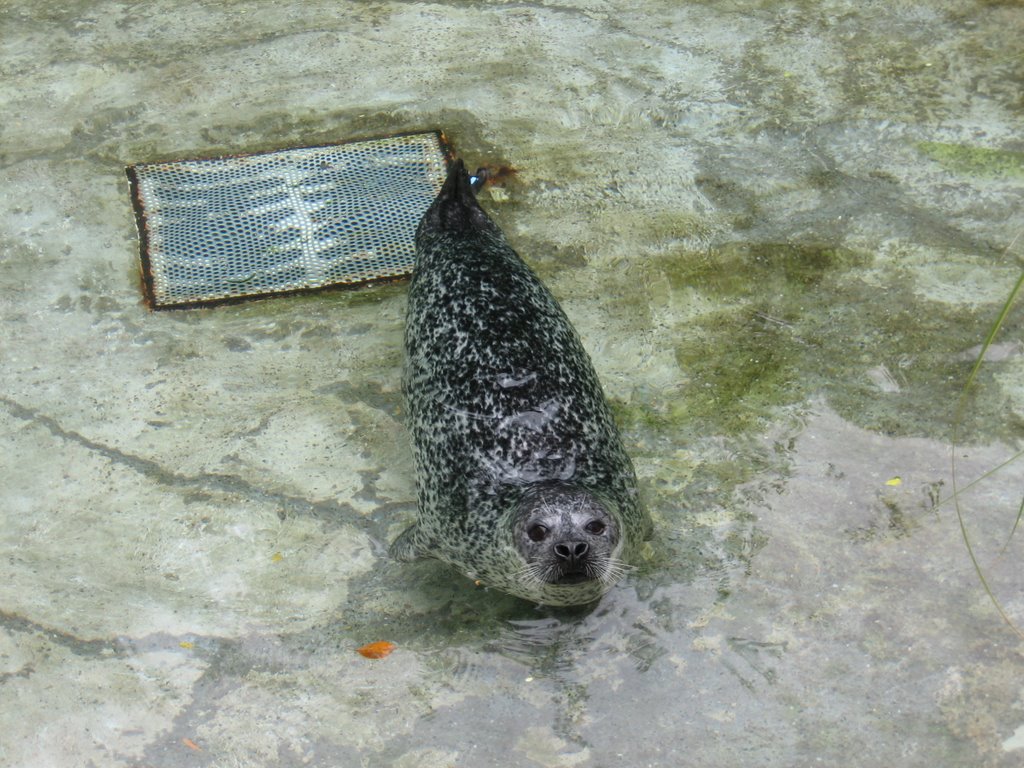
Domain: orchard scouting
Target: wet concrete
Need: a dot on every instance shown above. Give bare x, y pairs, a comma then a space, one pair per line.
783, 230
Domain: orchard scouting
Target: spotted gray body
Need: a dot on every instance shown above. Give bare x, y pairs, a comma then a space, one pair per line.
523, 481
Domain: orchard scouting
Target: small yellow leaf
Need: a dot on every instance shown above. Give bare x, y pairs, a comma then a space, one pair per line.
894, 481
277, 557
186, 644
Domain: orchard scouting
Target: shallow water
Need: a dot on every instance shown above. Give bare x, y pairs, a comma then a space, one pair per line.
782, 230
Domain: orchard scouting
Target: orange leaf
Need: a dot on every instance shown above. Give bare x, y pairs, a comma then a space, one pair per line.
191, 745
377, 650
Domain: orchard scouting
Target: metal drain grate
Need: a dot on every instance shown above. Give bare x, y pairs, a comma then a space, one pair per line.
230, 228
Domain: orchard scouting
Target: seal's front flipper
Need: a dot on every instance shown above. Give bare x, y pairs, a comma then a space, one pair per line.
409, 546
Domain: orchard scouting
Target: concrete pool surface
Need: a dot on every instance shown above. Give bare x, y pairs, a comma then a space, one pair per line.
783, 231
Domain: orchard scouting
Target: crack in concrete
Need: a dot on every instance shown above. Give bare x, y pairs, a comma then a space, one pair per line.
107, 648
206, 485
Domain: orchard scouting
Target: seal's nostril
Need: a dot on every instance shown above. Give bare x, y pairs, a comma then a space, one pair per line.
570, 550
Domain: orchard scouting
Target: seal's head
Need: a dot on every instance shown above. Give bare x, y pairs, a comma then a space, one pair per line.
568, 538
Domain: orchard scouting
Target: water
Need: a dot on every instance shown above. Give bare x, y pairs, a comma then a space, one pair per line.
782, 230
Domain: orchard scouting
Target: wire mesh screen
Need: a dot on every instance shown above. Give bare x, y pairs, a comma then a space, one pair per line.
292, 220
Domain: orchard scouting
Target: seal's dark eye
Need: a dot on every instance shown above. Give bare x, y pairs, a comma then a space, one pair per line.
594, 527
537, 532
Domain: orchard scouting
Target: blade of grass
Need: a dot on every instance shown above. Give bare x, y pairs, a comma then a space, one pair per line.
1020, 514
992, 333
981, 477
957, 420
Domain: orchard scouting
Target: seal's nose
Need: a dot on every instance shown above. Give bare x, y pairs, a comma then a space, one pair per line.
571, 552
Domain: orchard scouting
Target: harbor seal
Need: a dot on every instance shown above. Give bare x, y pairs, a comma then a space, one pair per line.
523, 481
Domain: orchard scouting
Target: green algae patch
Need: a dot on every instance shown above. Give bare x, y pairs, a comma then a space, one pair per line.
742, 368
749, 355
760, 327
975, 161
753, 269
